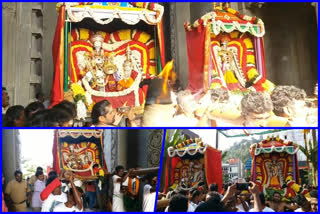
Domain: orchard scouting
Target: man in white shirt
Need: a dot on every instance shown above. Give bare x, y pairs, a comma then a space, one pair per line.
117, 197
73, 204
195, 199
55, 191
149, 193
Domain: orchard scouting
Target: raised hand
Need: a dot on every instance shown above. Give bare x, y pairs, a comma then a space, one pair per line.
117, 118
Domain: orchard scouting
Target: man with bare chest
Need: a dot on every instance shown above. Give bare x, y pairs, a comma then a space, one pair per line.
279, 206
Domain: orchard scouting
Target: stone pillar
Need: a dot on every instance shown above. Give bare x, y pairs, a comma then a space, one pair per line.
11, 153
24, 40
122, 144
315, 4
246, 7
9, 28
50, 17
235, 5
199, 9
290, 58
28, 30
137, 150
155, 147
179, 14
110, 148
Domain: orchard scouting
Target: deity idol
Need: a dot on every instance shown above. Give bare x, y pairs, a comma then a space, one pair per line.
128, 73
274, 169
73, 159
110, 70
197, 172
94, 63
100, 69
229, 67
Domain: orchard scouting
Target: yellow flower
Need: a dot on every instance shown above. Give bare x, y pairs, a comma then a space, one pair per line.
295, 187
77, 89
289, 178
101, 172
91, 106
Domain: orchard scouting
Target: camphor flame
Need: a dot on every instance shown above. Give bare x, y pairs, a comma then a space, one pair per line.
167, 74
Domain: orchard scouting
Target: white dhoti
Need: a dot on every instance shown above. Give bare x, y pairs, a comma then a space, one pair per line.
117, 203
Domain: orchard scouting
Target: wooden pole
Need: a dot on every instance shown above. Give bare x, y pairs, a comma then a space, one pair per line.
145, 171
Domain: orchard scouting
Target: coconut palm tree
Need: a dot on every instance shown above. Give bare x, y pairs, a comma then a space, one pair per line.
310, 150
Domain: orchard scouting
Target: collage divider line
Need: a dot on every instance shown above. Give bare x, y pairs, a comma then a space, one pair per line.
160, 169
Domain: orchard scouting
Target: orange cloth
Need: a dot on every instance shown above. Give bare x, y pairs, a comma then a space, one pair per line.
125, 83
274, 182
4, 206
90, 187
130, 187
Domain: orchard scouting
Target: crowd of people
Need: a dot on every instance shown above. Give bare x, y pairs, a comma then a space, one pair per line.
37, 114
119, 191
232, 199
286, 106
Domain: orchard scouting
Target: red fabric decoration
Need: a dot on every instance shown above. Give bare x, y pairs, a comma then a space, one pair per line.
174, 162
48, 190
213, 167
58, 57
196, 55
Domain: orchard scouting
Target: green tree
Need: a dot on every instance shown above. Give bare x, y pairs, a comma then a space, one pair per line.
225, 178
28, 168
171, 139
224, 155
310, 150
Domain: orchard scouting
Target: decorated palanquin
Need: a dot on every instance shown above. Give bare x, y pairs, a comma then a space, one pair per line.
275, 167
80, 151
103, 51
225, 49
193, 163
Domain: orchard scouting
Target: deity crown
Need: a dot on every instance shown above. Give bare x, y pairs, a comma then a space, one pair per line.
110, 67
128, 55
96, 37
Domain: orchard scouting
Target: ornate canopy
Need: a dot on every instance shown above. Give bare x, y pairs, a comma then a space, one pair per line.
226, 50
190, 146
104, 12
87, 133
228, 20
273, 145
87, 73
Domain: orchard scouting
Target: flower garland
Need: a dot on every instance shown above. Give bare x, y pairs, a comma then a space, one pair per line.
288, 149
288, 146
187, 146
97, 133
